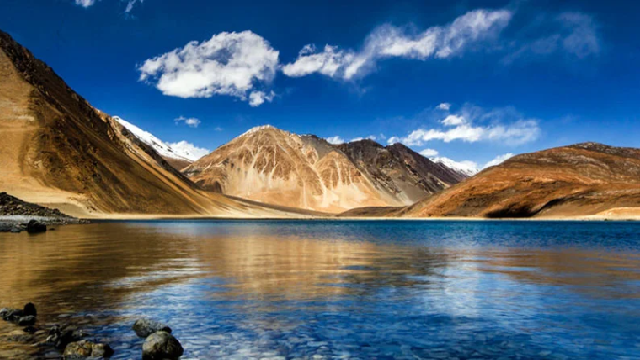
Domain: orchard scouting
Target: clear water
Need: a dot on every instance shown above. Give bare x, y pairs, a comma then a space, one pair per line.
336, 289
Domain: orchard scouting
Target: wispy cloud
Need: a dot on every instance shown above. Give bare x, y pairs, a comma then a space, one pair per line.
231, 64
130, 4
499, 160
85, 3
444, 106
429, 153
389, 41
191, 122
472, 124
572, 34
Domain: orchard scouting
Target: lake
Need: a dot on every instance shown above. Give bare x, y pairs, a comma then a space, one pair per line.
337, 289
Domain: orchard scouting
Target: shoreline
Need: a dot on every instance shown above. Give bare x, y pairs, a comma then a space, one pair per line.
585, 218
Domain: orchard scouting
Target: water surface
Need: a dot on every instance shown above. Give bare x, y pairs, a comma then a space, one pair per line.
338, 289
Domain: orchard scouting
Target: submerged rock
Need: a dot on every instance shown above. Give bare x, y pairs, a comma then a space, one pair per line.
30, 329
30, 310
26, 320
26, 316
145, 327
161, 345
60, 338
84, 348
35, 227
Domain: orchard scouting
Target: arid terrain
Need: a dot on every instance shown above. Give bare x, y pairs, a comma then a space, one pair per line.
278, 167
59, 151
570, 181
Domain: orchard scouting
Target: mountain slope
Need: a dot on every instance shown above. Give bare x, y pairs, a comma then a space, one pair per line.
178, 155
278, 167
583, 179
57, 150
399, 170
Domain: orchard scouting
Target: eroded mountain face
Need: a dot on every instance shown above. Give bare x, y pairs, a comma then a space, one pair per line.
583, 179
57, 150
278, 167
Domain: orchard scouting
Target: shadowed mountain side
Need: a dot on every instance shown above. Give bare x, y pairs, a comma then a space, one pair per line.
583, 179
59, 151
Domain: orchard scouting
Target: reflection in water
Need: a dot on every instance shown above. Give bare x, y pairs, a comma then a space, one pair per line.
337, 289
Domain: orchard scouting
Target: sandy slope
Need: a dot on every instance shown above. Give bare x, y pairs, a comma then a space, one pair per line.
59, 151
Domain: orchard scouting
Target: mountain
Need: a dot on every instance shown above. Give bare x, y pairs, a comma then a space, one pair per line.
59, 151
399, 170
465, 168
582, 179
178, 155
278, 167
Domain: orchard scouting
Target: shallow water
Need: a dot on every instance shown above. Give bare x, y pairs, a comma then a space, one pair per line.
337, 289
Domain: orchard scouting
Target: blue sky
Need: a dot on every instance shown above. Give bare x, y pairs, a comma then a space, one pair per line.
468, 80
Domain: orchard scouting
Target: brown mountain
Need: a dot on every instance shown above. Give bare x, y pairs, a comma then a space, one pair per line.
57, 150
583, 179
278, 167
399, 170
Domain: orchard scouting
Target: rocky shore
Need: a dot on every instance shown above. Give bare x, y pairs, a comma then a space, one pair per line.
68, 342
17, 215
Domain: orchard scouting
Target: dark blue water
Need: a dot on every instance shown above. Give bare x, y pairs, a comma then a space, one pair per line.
344, 290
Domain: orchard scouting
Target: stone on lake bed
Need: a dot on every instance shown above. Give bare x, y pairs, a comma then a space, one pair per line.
145, 327
30, 310
26, 320
35, 226
84, 348
161, 345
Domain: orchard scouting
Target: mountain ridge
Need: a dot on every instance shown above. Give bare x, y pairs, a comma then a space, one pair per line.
279, 167
581, 179
59, 151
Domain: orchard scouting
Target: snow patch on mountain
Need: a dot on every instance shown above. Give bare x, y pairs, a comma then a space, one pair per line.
181, 150
465, 167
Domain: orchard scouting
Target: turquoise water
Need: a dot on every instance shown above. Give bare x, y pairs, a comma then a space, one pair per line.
341, 289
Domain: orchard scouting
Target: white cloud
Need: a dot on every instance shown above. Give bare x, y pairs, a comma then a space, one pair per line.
231, 64
498, 160
130, 4
472, 124
453, 120
370, 137
444, 106
388, 41
428, 153
189, 150
191, 122
335, 140
572, 33
85, 3
327, 62
257, 98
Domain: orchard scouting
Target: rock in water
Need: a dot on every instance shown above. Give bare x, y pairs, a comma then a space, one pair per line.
26, 320
35, 227
161, 345
84, 348
61, 338
145, 327
30, 310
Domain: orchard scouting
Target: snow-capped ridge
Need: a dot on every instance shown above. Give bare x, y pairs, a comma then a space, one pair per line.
468, 168
181, 150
